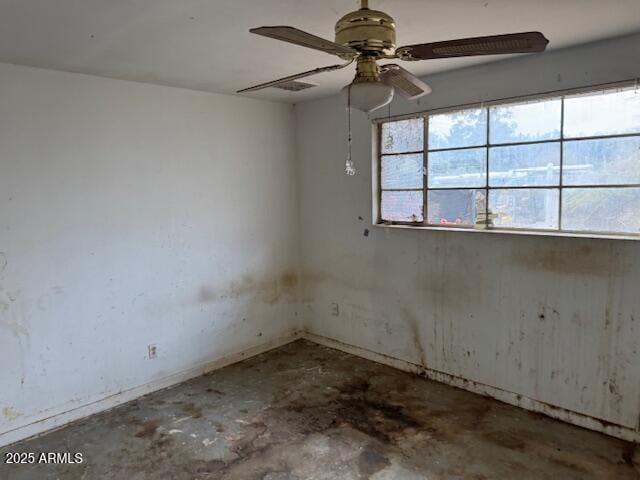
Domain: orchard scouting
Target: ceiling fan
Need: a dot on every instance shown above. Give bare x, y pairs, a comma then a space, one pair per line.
368, 36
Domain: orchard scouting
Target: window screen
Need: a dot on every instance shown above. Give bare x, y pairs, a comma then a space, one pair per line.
564, 163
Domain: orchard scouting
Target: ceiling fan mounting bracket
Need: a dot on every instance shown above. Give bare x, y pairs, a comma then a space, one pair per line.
370, 32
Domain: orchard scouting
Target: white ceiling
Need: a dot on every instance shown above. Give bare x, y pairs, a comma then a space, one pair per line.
205, 44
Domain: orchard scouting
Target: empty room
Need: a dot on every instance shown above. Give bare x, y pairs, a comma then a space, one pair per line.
318, 240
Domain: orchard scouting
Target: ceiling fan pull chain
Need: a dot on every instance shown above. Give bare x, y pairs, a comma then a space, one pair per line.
349, 167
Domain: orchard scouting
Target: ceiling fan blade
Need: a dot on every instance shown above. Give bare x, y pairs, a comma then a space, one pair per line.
528, 42
404, 81
295, 77
304, 39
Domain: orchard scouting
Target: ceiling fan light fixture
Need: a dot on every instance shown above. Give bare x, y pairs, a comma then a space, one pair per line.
369, 96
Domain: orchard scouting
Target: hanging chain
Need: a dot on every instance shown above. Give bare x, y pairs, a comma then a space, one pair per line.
349, 167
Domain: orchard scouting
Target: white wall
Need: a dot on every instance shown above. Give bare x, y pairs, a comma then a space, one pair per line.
556, 320
131, 215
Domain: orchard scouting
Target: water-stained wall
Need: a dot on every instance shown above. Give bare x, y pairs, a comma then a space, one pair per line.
135, 215
552, 319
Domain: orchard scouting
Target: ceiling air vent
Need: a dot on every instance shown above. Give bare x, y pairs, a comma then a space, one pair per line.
295, 86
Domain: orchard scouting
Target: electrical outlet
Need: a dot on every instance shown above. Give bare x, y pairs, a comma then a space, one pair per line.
335, 309
152, 351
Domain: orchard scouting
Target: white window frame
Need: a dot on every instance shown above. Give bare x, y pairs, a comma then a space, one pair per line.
377, 166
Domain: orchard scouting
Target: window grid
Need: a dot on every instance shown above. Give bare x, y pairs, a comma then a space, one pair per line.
425, 170
487, 146
561, 179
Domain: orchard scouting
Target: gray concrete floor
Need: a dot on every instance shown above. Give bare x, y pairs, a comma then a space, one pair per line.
309, 412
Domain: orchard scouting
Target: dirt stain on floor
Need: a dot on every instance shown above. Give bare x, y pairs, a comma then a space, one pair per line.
326, 415
148, 429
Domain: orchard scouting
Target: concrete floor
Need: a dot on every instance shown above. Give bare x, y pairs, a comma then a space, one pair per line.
309, 412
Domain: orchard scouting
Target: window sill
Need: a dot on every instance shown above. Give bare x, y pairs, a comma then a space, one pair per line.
494, 231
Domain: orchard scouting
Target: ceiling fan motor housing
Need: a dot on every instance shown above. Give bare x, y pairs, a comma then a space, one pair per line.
371, 32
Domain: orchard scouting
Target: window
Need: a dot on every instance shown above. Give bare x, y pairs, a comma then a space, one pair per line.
567, 163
